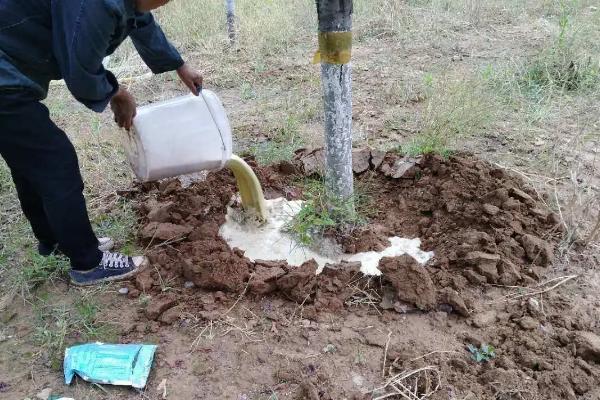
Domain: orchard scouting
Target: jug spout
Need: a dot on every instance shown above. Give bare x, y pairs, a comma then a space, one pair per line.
253, 199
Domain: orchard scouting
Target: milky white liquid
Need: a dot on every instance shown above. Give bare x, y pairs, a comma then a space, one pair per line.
269, 241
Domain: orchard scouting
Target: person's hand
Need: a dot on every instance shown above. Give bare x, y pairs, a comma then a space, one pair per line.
124, 107
191, 78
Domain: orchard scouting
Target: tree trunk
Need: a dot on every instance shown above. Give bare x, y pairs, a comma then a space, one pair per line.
230, 20
335, 30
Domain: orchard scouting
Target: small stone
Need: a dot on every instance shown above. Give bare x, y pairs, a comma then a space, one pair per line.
44, 394
159, 306
490, 209
123, 290
533, 306
484, 319
401, 169
377, 157
588, 346
188, 284
528, 323
171, 315
361, 160
330, 348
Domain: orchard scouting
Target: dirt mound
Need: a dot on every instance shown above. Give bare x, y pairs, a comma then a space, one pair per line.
483, 224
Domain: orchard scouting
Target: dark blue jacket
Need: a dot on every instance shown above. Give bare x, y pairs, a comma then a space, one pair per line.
44, 40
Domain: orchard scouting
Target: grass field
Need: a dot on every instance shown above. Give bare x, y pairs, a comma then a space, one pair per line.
515, 82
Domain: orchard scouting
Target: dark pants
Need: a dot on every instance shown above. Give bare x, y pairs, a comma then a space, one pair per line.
46, 174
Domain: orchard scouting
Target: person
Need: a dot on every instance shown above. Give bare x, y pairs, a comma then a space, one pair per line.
44, 40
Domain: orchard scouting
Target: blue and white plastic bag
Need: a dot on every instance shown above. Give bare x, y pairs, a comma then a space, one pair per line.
110, 364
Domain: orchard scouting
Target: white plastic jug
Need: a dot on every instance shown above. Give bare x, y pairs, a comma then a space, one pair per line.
179, 136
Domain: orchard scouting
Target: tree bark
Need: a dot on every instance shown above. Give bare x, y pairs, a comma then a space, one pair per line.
336, 76
230, 5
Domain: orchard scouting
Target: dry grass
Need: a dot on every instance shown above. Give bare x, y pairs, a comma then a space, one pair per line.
418, 384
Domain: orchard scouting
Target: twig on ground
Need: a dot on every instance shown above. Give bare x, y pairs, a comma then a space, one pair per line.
515, 296
300, 306
432, 353
240, 296
563, 281
169, 242
560, 213
398, 384
101, 388
595, 233
387, 343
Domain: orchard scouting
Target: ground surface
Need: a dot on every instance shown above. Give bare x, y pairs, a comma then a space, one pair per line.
428, 75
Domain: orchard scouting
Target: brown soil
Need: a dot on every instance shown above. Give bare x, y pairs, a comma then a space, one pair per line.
482, 224
486, 228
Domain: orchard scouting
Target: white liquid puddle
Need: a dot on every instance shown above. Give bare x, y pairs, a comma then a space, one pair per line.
269, 241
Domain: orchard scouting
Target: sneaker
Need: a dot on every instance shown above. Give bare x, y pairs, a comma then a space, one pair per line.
112, 267
104, 244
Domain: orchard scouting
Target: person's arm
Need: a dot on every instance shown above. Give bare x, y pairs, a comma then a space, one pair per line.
81, 34
159, 54
152, 45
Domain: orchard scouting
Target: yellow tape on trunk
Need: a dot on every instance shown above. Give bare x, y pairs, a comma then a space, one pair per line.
334, 48
248, 184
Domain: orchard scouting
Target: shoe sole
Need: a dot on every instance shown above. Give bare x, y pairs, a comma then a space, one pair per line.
113, 278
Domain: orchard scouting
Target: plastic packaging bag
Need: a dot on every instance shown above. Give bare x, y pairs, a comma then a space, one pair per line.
111, 364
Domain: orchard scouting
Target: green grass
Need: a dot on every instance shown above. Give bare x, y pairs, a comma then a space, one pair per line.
320, 214
565, 65
282, 144
120, 224
425, 144
454, 109
568, 63
38, 270
59, 326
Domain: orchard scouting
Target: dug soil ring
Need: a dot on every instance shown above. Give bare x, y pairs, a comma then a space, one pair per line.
484, 226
